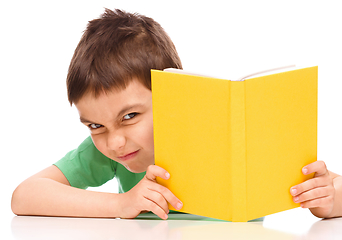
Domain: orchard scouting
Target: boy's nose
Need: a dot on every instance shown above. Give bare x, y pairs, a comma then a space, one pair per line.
116, 141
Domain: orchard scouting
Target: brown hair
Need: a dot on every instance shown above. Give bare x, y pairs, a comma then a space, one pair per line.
116, 48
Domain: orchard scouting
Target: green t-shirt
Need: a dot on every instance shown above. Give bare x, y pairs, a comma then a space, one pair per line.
88, 167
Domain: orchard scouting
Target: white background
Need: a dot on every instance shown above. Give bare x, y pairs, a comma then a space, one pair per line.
222, 38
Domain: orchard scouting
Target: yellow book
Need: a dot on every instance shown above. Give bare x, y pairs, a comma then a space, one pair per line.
234, 148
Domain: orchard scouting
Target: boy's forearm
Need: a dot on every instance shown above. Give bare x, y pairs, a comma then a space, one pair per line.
46, 197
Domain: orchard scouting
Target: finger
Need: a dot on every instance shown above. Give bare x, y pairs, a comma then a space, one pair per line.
308, 185
155, 208
317, 167
154, 171
158, 199
313, 194
168, 195
318, 202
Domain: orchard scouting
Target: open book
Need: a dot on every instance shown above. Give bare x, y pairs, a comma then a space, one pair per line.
234, 148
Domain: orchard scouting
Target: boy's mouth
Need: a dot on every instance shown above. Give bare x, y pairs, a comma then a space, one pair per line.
128, 156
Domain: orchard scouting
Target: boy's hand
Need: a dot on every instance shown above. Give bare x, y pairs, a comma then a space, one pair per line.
148, 195
317, 193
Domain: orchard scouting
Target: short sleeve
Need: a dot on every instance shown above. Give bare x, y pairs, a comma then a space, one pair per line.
86, 166
126, 179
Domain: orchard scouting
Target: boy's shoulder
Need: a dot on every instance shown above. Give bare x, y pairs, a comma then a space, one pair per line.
86, 144
86, 155
86, 166
87, 148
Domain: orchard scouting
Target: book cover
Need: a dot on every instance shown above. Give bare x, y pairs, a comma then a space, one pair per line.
234, 148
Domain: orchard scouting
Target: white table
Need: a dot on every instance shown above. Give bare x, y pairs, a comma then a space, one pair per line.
293, 224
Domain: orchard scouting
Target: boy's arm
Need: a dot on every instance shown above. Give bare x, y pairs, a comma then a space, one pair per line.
48, 193
321, 194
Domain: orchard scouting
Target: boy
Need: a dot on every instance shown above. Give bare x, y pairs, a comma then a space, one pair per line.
109, 83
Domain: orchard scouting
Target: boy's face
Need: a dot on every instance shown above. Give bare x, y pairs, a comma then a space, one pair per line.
121, 125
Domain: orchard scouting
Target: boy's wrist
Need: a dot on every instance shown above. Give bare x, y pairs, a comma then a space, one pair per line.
337, 206
118, 205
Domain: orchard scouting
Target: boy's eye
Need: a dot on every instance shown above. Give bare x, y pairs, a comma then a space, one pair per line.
130, 116
94, 126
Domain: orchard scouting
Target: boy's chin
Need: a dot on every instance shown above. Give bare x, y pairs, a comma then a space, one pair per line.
136, 169
138, 165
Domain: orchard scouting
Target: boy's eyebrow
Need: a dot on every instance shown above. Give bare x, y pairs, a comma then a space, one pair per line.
83, 120
127, 108
124, 110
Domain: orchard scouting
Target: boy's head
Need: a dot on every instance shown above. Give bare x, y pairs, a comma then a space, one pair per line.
109, 81
116, 48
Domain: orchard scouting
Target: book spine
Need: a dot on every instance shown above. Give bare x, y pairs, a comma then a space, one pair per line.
238, 151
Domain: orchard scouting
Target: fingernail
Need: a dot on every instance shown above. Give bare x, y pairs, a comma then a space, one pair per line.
293, 191
179, 205
167, 175
296, 199
305, 170
165, 216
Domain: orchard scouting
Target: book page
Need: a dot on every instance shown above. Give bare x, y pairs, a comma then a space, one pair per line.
255, 74
267, 72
